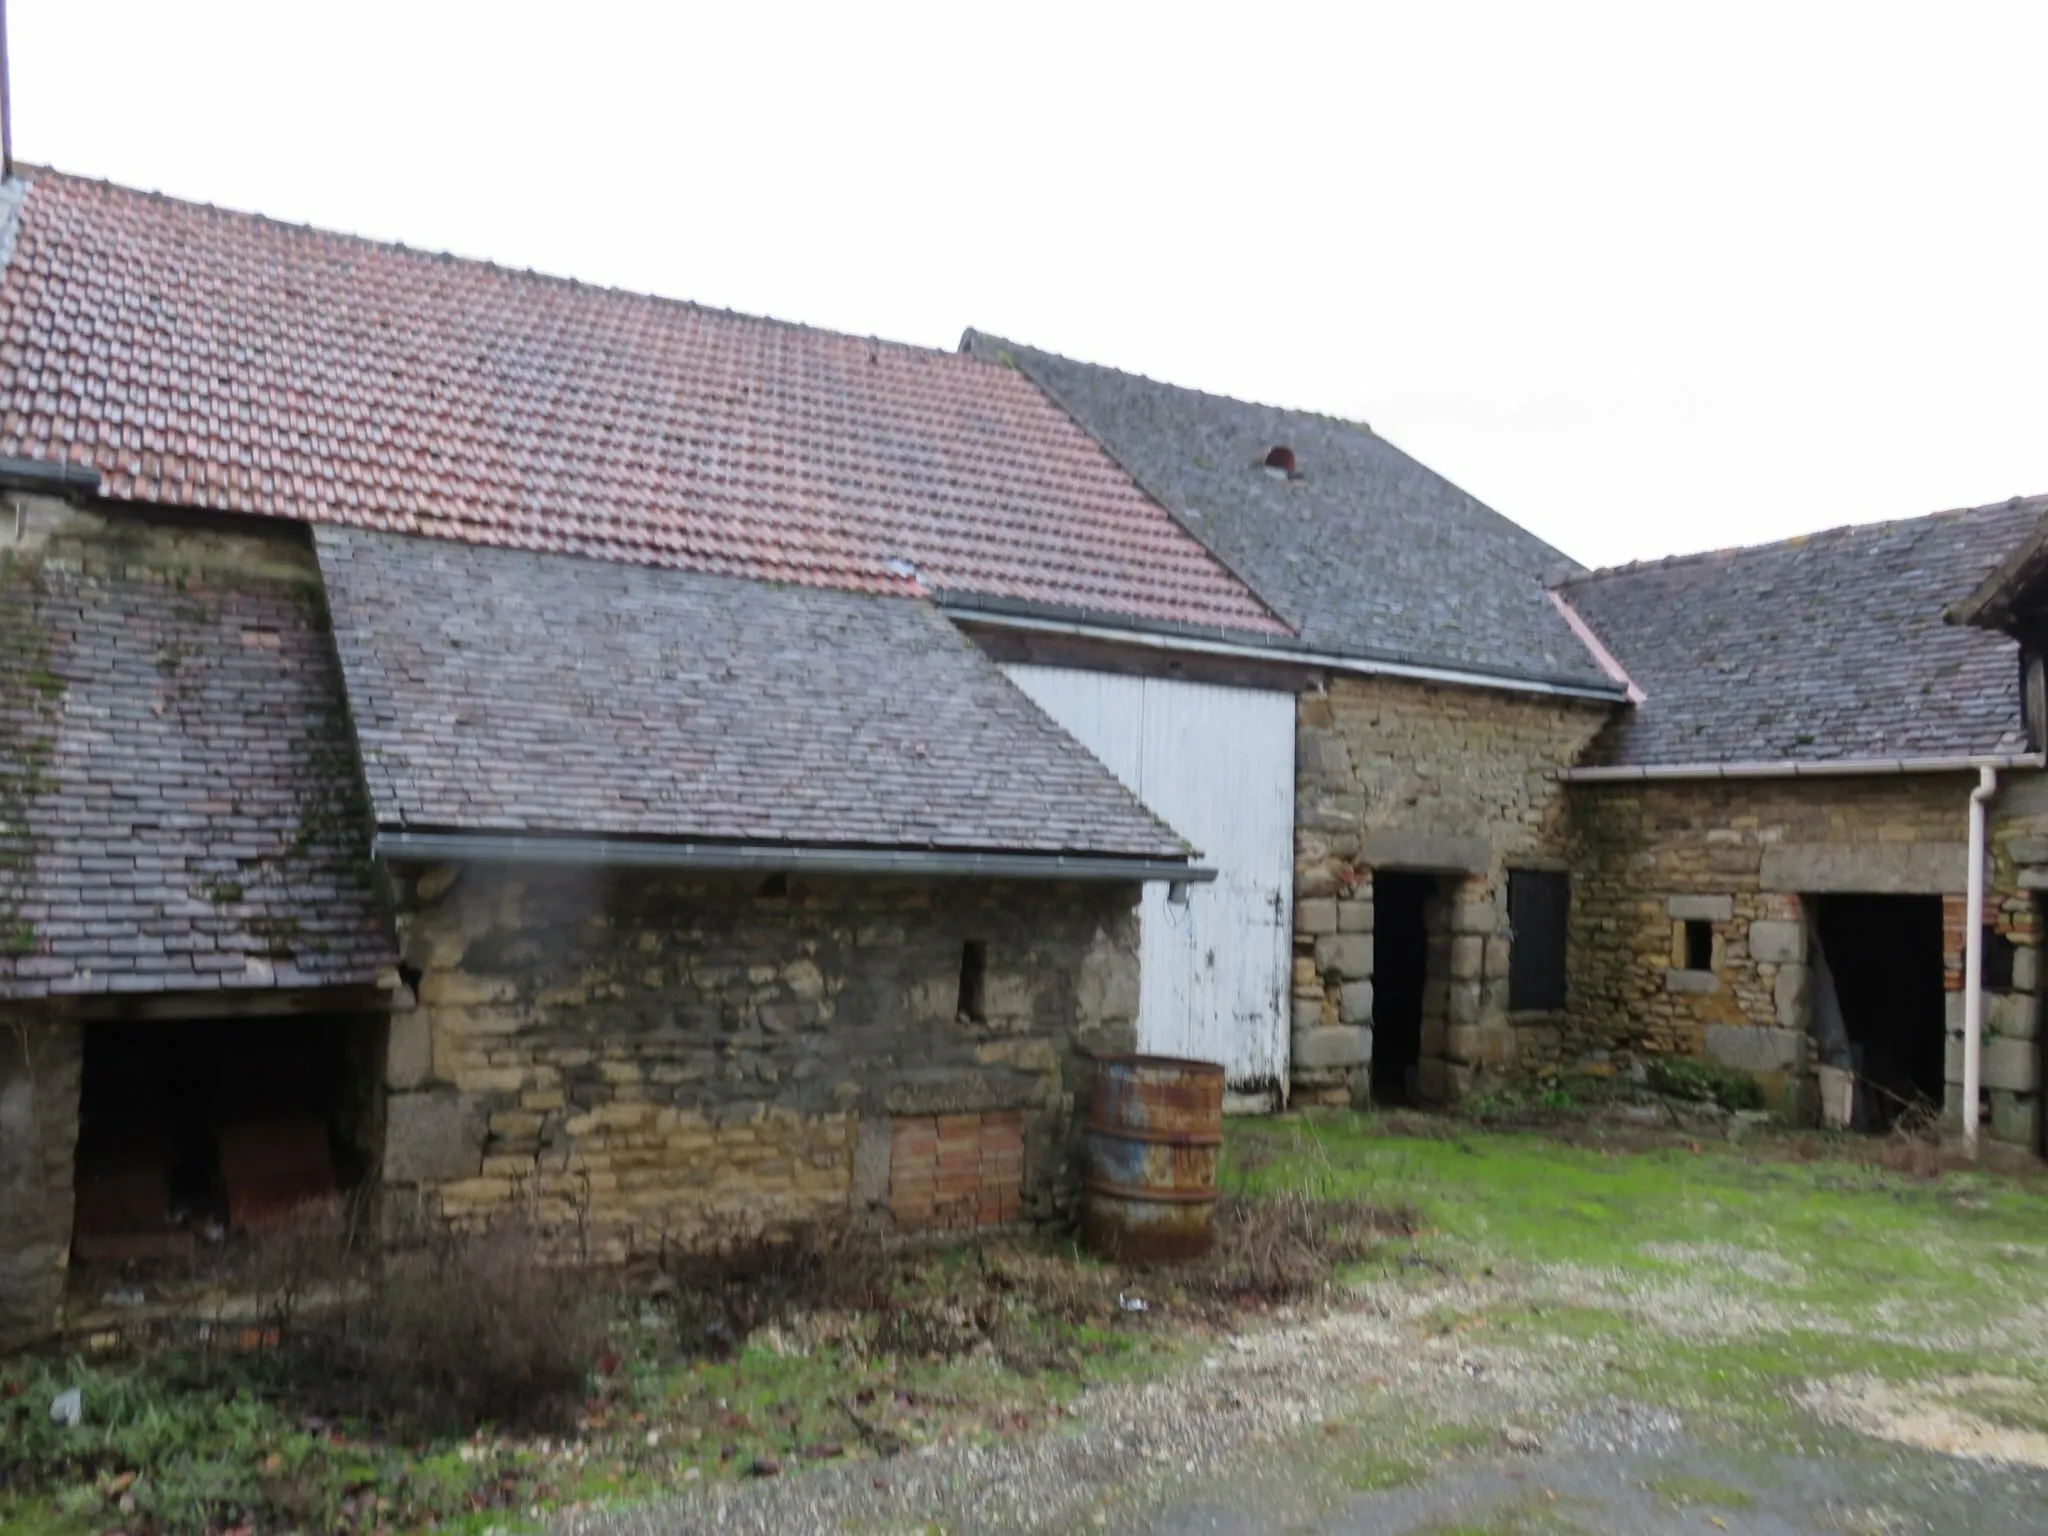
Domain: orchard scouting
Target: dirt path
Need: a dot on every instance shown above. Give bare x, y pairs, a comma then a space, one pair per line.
1382, 1419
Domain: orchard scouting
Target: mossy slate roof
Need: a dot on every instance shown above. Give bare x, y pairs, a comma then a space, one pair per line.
202, 358
510, 692
1365, 552
1825, 648
178, 800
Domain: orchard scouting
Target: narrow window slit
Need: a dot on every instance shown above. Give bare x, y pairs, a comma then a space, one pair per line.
974, 980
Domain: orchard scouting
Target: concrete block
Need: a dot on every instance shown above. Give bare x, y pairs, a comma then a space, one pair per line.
1434, 1038
2026, 969
432, 1136
1354, 917
1433, 1080
409, 1051
1348, 954
1468, 957
1470, 917
1772, 943
2014, 1065
1339, 1045
2016, 1118
1308, 1012
1464, 1002
1498, 953
2028, 850
1391, 848
1952, 1009
1755, 1049
1478, 1045
1791, 996
1701, 909
1316, 915
2014, 1014
871, 1156
1700, 982
1354, 1002
1922, 869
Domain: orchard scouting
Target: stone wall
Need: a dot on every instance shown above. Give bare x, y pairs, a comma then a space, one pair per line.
1743, 856
1459, 781
39, 1081
663, 1061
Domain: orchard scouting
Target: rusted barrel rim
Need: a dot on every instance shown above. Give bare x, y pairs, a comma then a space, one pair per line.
1164, 1063
1143, 1195
1156, 1138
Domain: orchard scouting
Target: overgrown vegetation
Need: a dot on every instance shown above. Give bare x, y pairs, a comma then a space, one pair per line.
1685, 1077
464, 1379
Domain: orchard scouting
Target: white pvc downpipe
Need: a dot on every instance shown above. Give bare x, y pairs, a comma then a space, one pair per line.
1973, 958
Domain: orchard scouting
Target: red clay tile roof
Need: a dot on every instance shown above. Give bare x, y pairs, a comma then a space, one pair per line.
203, 358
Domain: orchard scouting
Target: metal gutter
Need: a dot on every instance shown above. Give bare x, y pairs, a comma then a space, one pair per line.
1277, 653
1844, 768
52, 477
606, 853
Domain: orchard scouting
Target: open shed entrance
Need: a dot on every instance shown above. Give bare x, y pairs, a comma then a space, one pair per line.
1883, 955
1411, 945
190, 1130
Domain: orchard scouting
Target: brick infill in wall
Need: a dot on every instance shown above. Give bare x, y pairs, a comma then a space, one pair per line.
953, 1171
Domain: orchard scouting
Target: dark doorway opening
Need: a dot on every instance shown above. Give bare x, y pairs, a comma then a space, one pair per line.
189, 1130
1884, 954
1400, 978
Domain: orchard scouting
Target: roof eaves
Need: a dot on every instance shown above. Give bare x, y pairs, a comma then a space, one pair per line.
1994, 603
1115, 628
815, 859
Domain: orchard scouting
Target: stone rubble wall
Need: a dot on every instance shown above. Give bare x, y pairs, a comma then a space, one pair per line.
1741, 855
664, 1062
40, 1064
1460, 781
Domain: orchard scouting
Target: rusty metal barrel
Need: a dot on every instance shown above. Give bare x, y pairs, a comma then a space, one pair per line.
1155, 1130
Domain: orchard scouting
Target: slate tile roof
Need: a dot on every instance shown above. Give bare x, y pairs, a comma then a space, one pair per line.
1816, 649
178, 807
499, 690
202, 358
2010, 595
1366, 553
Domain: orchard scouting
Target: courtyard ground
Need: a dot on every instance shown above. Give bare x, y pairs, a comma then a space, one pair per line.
1594, 1328
1609, 1334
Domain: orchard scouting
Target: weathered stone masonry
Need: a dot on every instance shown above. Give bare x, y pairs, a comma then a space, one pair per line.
40, 1060
669, 1060
1456, 781
1741, 856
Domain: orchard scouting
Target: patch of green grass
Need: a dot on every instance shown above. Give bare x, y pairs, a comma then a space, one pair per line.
1852, 1242
1716, 1282
1534, 1514
1682, 1490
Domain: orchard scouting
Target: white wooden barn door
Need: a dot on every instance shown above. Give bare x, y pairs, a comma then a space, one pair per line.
1217, 764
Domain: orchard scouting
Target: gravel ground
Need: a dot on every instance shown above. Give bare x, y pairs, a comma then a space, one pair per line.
1269, 1431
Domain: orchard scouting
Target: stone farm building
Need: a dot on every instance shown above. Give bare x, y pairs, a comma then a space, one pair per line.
490, 741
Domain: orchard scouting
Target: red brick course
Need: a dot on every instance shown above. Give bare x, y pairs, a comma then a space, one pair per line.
957, 1171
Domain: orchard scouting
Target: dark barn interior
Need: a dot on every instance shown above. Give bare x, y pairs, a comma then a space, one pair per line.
1885, 954
190, 1130
1400, 972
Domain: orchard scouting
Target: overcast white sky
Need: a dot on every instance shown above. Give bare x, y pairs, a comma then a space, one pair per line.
1647, 278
